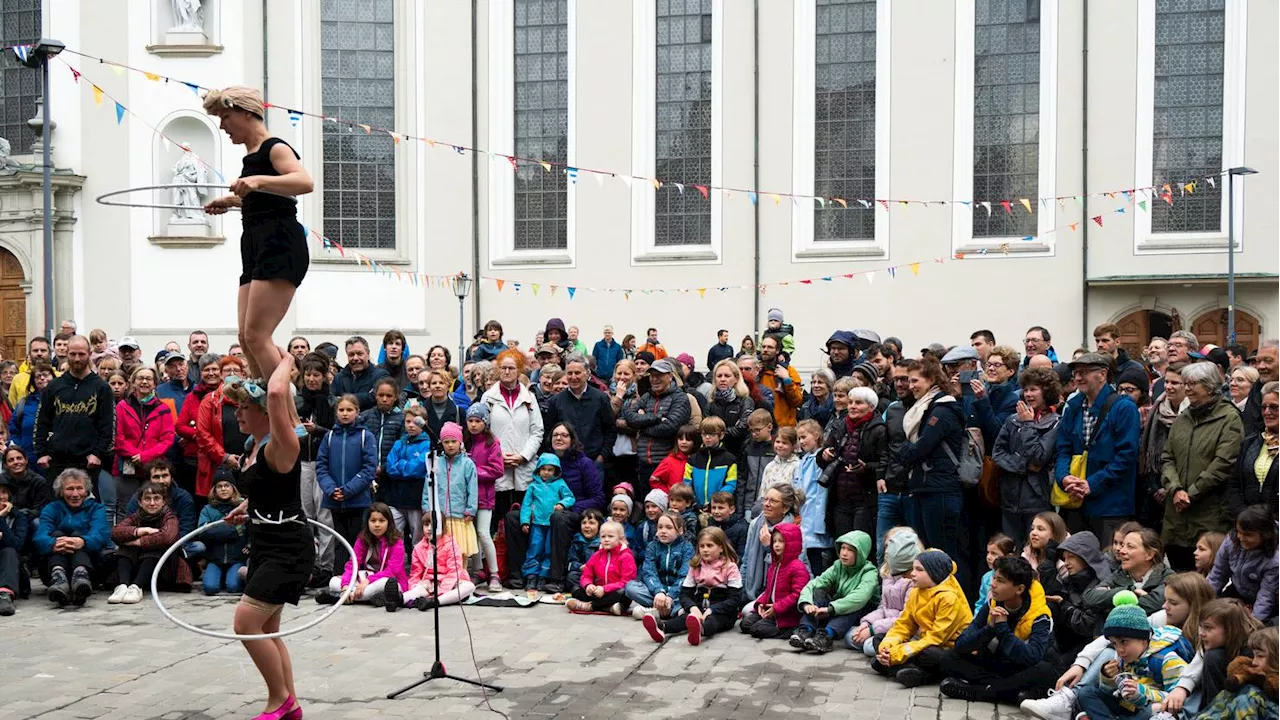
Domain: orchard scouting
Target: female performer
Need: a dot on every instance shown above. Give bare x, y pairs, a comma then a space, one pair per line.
273, 245
281, 550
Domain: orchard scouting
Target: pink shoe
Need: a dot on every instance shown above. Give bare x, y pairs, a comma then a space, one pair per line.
694, 626
288, 710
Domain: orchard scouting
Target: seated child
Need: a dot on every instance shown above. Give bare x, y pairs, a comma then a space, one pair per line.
670, 472
376, 573
605, 575
725, 516
1008, 648
547, 492
224, 544
1075, 623
447, 583
1225, 627
777, 610
712, 468
625, 488
935, 614
1248, 561
584, 545
1252, 682
832, 603
666, 562
141, 538
15, 528
681, 500
620, 508
710, 595
998, 546
1207, 546
901, 546
655, 503
1146, 667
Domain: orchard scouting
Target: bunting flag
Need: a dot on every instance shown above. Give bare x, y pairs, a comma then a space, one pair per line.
22, 52
119, 113
97, 95
295, 117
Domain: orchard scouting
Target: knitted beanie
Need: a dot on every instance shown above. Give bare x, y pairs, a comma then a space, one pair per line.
900, 550
479, 410
936, 563
775, 314
1127, 619
657, 497
451, 431
625, 500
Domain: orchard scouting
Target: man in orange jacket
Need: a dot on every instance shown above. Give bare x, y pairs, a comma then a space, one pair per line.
783, 380
652, 345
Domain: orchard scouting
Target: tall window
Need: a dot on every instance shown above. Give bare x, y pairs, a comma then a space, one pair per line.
1006, 115
1187, 140
357, 70
845, 117
683, 104
541, 122
19, 85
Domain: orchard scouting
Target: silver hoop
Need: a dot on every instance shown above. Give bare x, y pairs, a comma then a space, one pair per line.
102, 199
182, 541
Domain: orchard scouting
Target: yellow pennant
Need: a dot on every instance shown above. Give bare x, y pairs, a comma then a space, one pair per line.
1025, 203
915, 268
151, 76
97, 95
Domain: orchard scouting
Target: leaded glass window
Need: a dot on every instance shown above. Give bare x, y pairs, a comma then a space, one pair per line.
683, 106
541, 123
1187, 142
1006, 115
19, 85
357, 84
845, 118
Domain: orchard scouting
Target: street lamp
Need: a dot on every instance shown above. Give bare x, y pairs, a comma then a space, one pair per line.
1231, 248
39, 58
461, 287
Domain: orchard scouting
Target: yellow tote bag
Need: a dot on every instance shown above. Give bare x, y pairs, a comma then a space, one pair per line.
1061, 498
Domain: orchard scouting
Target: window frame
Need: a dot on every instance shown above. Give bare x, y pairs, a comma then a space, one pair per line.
962, 238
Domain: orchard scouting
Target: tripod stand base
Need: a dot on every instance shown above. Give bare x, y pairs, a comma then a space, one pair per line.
437, 673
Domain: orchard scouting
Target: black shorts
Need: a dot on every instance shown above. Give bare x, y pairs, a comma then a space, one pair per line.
273, 248
280, 561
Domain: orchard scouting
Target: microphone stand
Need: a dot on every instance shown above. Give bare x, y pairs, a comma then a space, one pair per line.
437, 671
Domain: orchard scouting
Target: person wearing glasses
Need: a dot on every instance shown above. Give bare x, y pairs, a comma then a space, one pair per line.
995, 395
1254, 479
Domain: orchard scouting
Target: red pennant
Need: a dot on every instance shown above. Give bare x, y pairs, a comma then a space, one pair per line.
703, 189
1008, 207
1098, 219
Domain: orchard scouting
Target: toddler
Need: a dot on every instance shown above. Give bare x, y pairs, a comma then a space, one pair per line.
901, 546
584, 545
547, 493
710, 595
776, 611
666, 562
445, 584
833, 603
605, 575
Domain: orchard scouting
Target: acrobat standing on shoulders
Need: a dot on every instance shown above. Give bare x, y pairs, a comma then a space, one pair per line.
273, 244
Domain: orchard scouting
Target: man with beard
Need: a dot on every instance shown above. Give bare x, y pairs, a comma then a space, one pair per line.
784, 381
840, 353
75, 424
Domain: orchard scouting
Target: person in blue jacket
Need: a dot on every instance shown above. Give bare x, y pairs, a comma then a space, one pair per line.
345, 467
492, 344
22, 424
71, 534
15, 528
666, 563
607, 353
225, 544
405, 473
995, 400
1111, 437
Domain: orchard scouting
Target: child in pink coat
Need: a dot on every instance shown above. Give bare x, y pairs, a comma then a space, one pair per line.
428, 589
901, 545
486, 453
377, 569
776, 611
605, 574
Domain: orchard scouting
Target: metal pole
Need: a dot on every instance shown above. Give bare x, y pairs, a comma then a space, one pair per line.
1231, 257
461, 343
48, 201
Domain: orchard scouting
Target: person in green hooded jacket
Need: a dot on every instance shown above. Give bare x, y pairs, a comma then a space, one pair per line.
833, 603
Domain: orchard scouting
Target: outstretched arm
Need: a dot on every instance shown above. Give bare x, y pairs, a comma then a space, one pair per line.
282, 451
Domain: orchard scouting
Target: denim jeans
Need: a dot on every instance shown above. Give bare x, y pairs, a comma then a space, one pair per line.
219, 577
937, 518
1095, 668
1100, 704
638, 593
891, 511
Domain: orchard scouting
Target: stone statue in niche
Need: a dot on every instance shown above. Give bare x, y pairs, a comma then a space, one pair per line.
8, 165
188, 175
188, 16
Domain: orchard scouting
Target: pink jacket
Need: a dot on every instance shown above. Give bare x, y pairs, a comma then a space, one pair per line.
610, 569
785, 578
893, 596
388, 559
452, 570
150, 436
486, 453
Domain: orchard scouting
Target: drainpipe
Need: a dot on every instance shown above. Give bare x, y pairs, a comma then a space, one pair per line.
1084, 174
755, 169
266, 82
475, 166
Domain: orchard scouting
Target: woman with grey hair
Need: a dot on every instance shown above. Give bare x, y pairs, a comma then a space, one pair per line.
853, 466
781, 503
820, 403
1198, 460
71, 534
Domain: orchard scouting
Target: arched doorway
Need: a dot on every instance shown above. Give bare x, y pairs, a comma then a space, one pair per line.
1138, 327
1211, 327
13, 307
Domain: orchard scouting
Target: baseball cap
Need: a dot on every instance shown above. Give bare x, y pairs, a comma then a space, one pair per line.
171, 355
662, 366
548, 349
128, 342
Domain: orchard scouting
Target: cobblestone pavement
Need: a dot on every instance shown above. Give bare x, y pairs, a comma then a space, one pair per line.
127, 661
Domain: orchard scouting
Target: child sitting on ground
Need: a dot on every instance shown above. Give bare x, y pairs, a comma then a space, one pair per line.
670, 472
1076, 623
681, 500
666, 562
620, 508
447, 583
833, 603
141, 538
1252, 682
935, 614
724, 516
1207, 546
605, 575
376, 573
655, 503
1224, 629
1247, 560
545, 494
776, 612
584, 545
998, 546
224, 544
1146, 667
1008, 648
710, 595
901, 546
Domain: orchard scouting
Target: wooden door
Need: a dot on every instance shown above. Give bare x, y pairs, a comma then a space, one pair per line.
1135, 332
13, 308
1211, 327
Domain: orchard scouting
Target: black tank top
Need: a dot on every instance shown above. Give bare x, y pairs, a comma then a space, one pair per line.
271, 493
260, 204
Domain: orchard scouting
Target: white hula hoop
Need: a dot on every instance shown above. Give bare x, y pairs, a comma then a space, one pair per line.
102, 199
182, 541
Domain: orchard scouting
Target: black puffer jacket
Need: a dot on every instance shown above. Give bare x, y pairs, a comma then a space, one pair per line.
896, 472
734, 413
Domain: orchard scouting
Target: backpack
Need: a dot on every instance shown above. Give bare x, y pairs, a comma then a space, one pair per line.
969, 465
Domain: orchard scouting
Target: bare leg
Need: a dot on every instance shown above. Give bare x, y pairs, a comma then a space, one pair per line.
242, 312
268, 301
266, 654
286, 663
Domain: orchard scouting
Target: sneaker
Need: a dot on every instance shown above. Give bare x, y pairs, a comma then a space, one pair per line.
575, 605
531, 582
616, 609
81, 588
326, 597
552, 588
425, 603
639, 611
694, 626
650, 621
911, 677
391, 596
117, 595
882, 670
495, 585
1033, 694
963, 690
377, 600
1082, 716
515, 583
820, 643
60, 589
798, 638
1059, 705
132, 595
6, 604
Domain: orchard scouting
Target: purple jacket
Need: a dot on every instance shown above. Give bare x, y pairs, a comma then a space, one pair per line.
1253, 573
583, 478
486, 453
893, 596
389, 562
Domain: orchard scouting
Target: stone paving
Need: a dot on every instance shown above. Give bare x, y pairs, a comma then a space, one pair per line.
127, 661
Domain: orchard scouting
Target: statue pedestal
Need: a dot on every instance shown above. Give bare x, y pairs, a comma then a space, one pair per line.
186, 37
181, 227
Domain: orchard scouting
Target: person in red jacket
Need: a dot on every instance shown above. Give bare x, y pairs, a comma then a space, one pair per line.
188, 444
670, 472
777, 610
605, 575
144, 432
212, 453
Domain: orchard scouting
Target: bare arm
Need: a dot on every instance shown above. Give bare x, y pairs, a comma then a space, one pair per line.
293, 179
282, 451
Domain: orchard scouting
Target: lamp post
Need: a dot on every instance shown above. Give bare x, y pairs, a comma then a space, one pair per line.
39, 58
1231, 248
461, 287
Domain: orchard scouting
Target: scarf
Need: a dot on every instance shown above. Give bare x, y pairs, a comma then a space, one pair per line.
847, 483
1271, 441
511, 395
1165, 413
915, 414
725, 396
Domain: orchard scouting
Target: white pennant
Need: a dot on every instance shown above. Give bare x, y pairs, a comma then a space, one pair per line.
871, 277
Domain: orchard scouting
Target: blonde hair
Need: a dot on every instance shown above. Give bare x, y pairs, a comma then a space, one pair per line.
237, 96
616, 527
739, 385
349, 399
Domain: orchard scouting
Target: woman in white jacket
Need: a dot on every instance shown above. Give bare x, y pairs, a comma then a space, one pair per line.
517, 423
